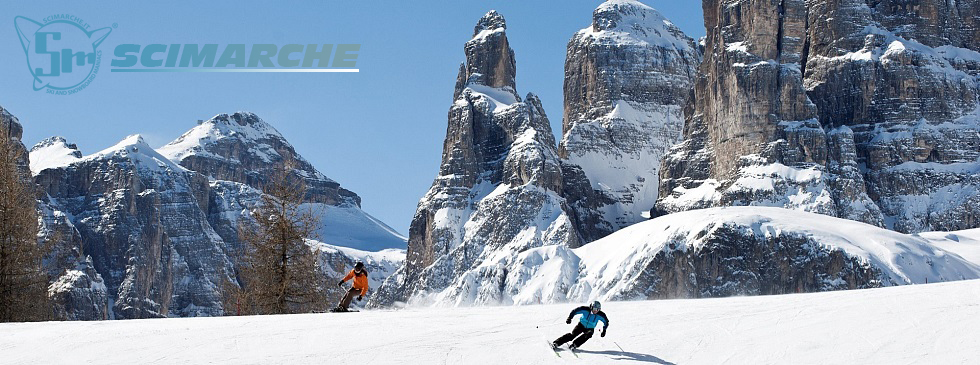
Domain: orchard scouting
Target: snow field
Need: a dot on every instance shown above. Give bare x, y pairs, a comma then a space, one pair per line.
934, 324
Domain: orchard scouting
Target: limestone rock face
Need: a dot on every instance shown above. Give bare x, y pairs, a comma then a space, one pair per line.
627, 77
144, 228
904, 78
489, 55
77, 290
12, 130
847, 108
80, 294
499, 188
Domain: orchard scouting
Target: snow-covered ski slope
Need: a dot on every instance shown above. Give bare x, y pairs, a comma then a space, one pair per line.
912, 324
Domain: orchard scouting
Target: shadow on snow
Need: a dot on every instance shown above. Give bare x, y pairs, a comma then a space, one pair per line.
625, 355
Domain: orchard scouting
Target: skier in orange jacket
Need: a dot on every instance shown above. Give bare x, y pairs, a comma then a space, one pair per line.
360, 287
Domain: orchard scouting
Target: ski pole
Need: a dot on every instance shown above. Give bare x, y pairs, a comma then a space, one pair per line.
620, 348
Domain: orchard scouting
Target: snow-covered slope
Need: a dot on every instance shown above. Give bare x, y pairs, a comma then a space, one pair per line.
52, 152
916, 324
352, 227
965, 243
721, 252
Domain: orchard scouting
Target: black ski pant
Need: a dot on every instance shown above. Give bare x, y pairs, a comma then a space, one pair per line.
586, 334
344, 303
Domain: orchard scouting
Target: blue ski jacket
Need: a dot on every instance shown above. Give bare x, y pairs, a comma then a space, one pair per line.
589, 320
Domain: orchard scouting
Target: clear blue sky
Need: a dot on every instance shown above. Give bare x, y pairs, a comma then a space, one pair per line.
378, 132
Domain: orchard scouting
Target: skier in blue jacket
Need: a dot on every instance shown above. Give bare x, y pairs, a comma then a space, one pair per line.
591, 316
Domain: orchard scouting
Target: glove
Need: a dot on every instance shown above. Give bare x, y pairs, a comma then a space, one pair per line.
603, 334
568, 321
360, 297
341, 284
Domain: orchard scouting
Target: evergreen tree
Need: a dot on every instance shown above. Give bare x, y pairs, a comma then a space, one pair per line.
23, 283
278, 272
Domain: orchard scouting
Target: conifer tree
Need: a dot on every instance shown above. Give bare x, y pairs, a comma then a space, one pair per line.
23, 282
279, 268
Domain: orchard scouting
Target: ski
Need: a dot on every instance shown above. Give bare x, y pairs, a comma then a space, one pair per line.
573, 352
553, 348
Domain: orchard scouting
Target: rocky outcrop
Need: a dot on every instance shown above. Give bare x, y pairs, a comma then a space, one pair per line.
12, 130
144, 228
729, 251
832, 107
80, 294
627, 77
77, 291
241, 147
735, 261
499, 188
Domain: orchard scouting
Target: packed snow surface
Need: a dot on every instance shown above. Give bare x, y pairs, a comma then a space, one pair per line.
914, 324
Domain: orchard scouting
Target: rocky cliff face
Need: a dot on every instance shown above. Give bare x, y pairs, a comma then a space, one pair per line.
903, 78
151, 238
77, 291
832, 107
499, 188
12, 130
141, 221
627, 77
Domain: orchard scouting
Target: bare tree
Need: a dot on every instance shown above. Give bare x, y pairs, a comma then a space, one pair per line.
23, 282
278, 272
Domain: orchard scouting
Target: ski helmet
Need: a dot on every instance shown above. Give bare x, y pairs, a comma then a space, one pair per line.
596, 306
359, 265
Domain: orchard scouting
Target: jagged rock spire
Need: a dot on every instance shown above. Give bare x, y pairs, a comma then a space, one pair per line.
489, 55
491, 21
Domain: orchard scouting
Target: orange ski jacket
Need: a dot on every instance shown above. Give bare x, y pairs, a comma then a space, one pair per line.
360, 280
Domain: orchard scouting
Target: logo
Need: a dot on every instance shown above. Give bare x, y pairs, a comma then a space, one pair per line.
62, 53
235, 58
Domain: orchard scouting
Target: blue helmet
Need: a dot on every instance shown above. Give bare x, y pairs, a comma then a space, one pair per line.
596, 306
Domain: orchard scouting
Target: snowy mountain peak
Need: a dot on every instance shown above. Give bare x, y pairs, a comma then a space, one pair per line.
628, 21
244, 119
54, 141
135, 148
245, 126
242, 147
53, 152
491, 21
133, 140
